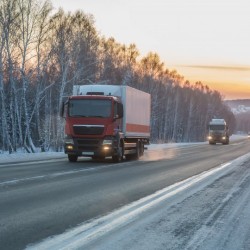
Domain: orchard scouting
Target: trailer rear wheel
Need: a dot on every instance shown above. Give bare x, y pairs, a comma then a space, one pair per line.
72, 158
137, 154
141, 149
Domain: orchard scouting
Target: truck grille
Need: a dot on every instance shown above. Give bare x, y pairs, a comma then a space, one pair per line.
87, 144
88, 129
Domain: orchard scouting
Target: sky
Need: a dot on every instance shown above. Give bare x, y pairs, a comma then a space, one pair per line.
204, 40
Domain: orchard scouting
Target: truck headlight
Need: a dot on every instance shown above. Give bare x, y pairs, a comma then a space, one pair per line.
224, 138
107, 140
68, 140
106, 147
107, 143
209, 137
69, 147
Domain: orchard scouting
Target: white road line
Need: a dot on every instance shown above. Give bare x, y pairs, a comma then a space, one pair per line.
30, 162
16, 181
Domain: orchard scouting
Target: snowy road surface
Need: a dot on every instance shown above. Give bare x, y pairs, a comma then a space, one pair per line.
207, 211
210, 210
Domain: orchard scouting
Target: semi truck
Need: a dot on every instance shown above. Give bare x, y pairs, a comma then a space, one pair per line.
106, 121
218, 132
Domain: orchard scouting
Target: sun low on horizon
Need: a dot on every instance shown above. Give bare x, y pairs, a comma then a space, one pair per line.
204, 40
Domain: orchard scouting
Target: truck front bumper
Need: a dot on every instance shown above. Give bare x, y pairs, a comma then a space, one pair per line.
219, 139
90, 147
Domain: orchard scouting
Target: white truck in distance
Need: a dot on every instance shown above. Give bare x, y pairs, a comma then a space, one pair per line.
218, 132
106, 120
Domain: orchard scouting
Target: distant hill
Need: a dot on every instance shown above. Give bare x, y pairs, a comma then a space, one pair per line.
239, 106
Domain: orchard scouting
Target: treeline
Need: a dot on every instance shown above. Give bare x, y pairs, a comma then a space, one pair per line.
42, 55
241, 112
243, 122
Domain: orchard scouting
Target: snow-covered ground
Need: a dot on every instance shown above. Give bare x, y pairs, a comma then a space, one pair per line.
26, 157
207, 211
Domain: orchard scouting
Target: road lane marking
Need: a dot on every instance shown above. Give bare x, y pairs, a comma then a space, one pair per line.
15, 181
40, 177
10, 164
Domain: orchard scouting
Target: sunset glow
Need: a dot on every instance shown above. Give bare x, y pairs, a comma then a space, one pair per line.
233, 82
204, 40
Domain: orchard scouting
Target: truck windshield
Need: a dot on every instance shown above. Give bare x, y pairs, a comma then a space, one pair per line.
90, 108
216, 127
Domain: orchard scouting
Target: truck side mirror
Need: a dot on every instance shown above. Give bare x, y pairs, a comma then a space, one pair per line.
120, 110
63, 109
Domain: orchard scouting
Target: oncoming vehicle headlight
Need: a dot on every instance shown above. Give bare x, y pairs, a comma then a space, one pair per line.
209, 137
224, 138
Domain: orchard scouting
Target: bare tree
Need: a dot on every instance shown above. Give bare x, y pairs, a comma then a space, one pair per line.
8, 22
75, 44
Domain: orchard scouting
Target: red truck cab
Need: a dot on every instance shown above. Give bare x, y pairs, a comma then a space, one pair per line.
92, 124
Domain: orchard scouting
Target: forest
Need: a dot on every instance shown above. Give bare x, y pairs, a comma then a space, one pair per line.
44, 52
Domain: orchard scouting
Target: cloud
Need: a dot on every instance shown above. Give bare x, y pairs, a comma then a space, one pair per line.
209, 67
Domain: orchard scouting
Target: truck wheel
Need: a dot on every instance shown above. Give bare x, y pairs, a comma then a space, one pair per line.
72, 158
119, 156
136, 155
138, 150
141, 149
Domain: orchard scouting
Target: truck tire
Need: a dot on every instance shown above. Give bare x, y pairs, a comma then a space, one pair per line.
135, 156
141, 149
120, 153
72, 158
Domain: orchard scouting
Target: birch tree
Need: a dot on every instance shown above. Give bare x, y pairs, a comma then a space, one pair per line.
74, 41
8, 24
31, 24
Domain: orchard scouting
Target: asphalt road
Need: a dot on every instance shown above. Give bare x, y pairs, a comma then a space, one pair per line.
38, 200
